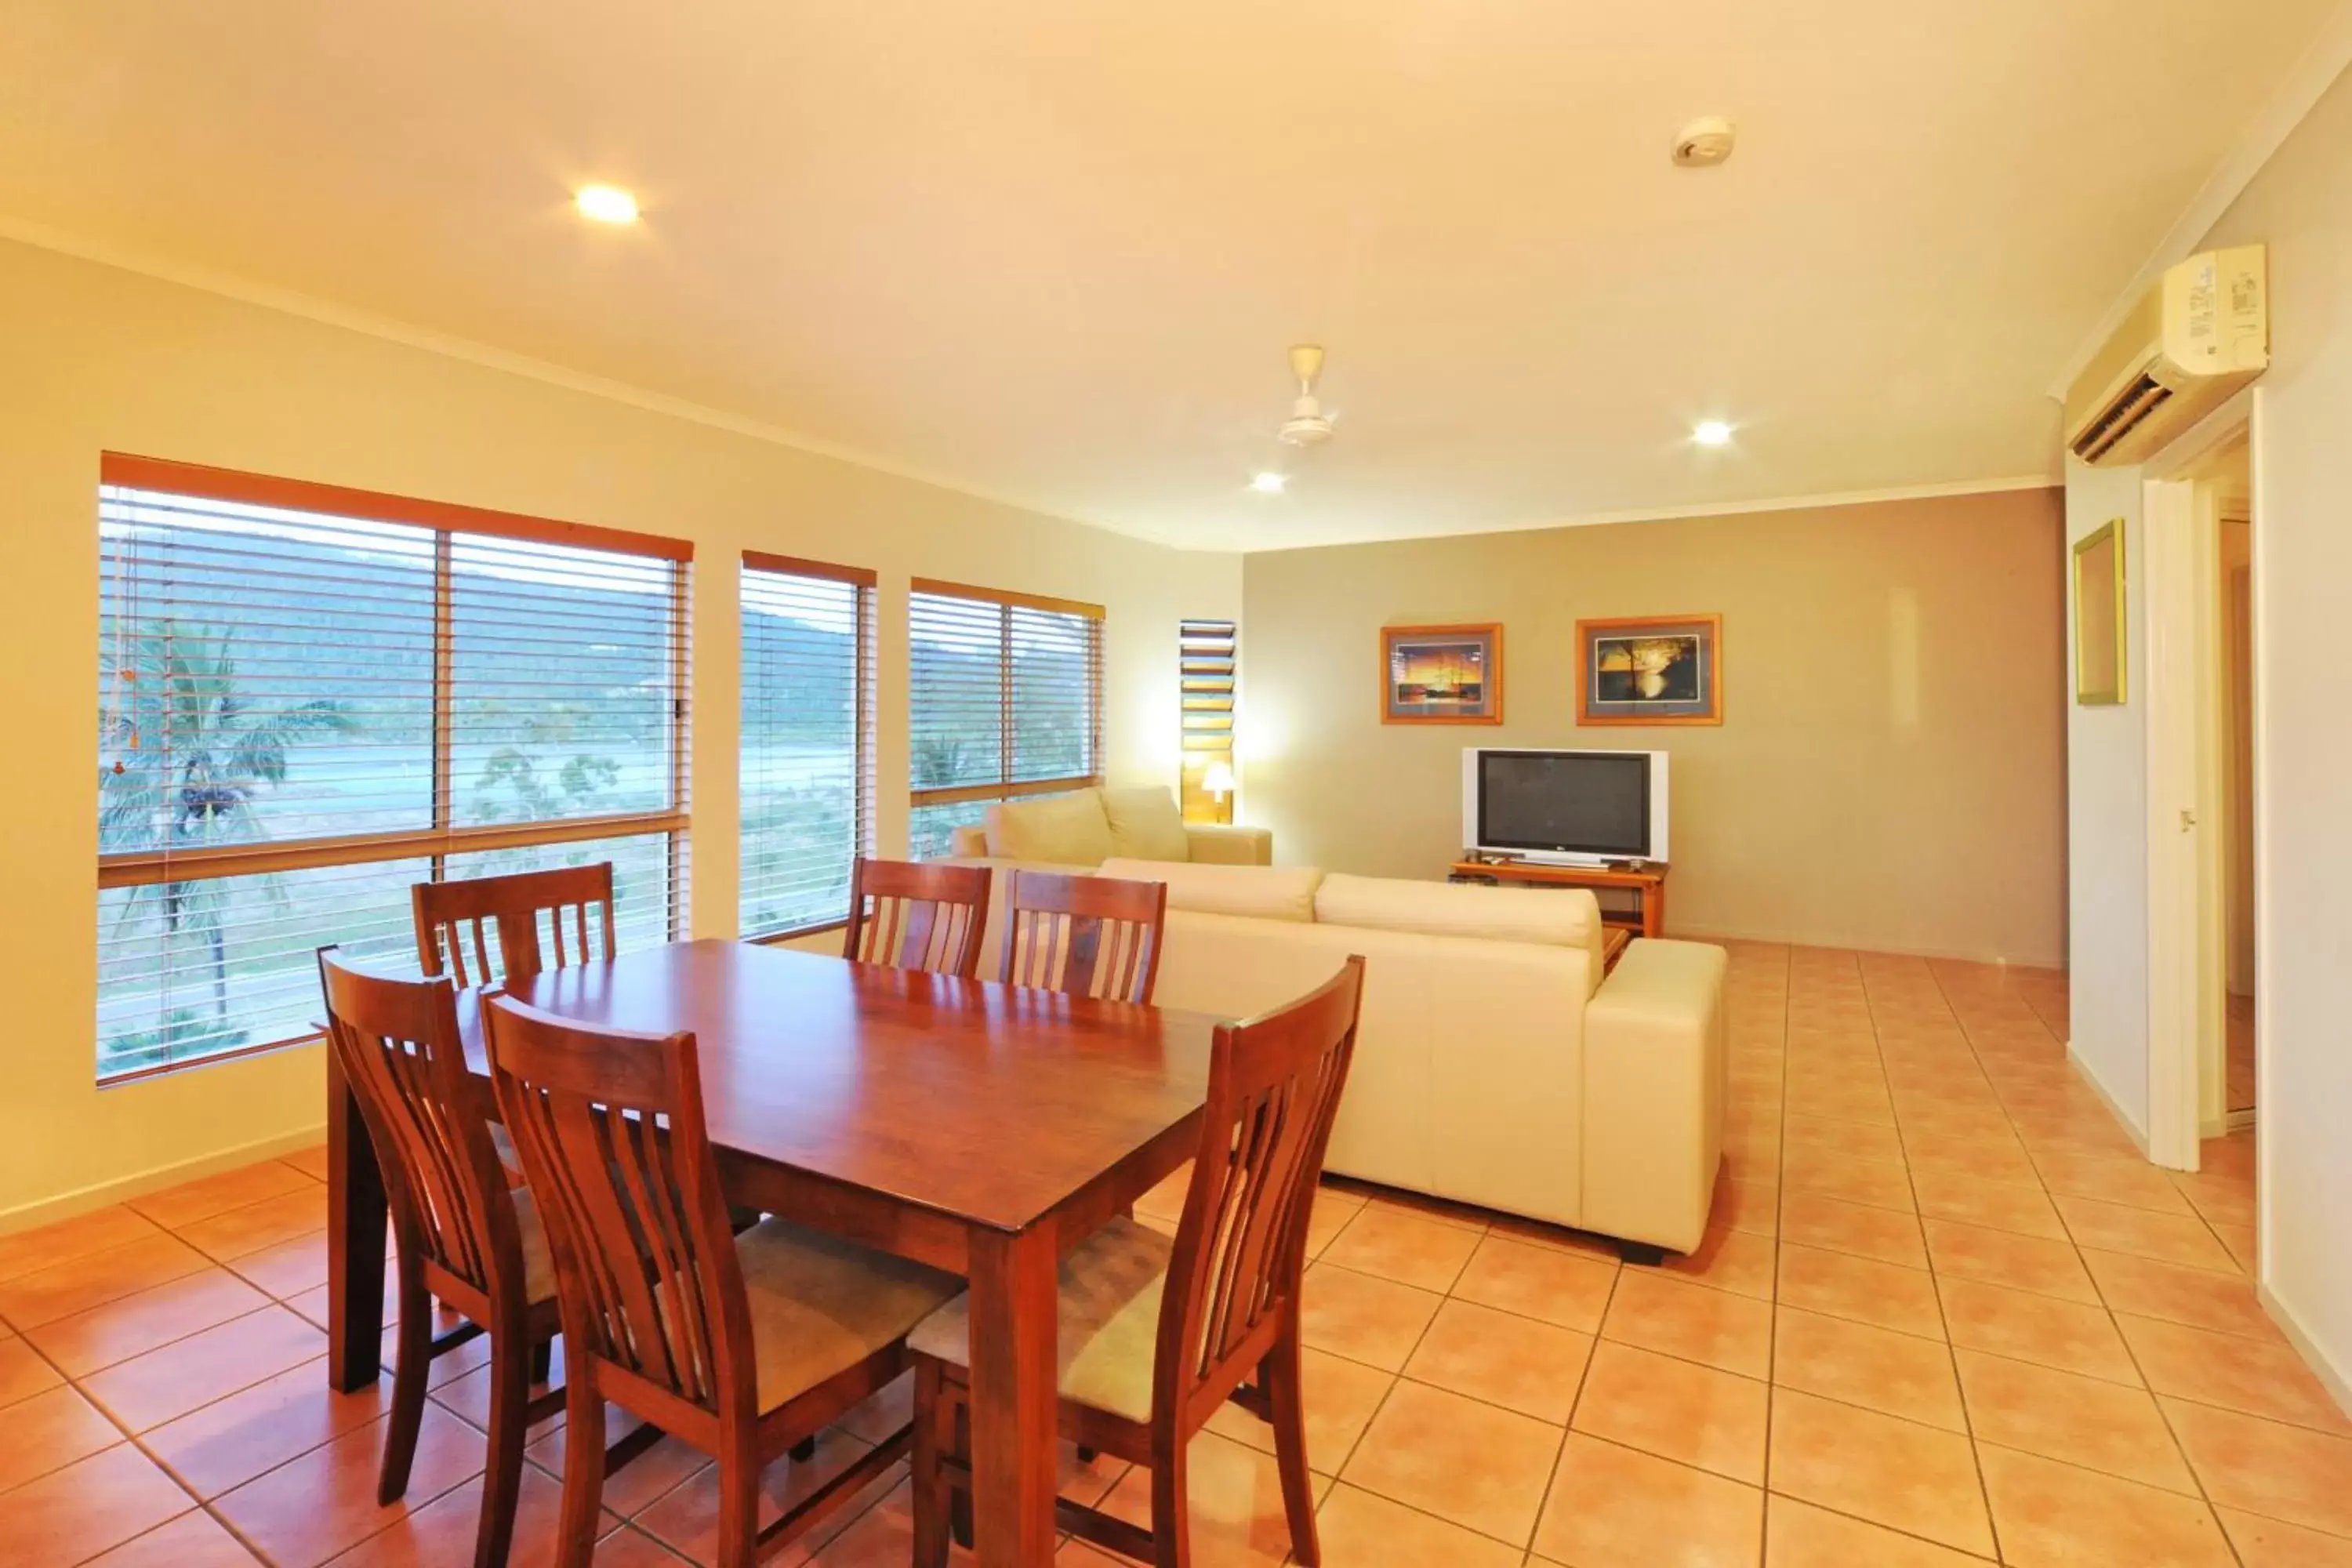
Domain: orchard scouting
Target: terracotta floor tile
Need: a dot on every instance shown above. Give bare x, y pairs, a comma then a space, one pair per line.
2052, 1513
100, 1230
2020, 1262
136, 1324
1676, 1410
1860, 1289
2197, 1296
151, 1389
1946, 1194
686, 1519
227, 1443
1376, 1322
194, 1540
442, 1531
1342, 1396
2265, 1467
2270, 1543
1390, 1244
95, 1279
1750, 1207
2084, 1421
2239, 1241
288, 1268
1867, 1139
2171, 1238
1730, 1260
2040, 1329
1715, 1327
242, 1231
1898, 1375
1468, 1463
1625, 1508
1442, 1210
1236, 1512
310, 1507
1502, 1359
1562, 1288
193, 1201
1860, 1229
50, 1431
310, 1162
646, 1480
1362, 1529
1799, 1535
1883, 1183
2254, 1377
2132, 1182
23, 1372
87, 1508
1907, 1476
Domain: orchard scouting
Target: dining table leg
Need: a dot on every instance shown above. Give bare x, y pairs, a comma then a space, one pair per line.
1014, 1403
356, 1215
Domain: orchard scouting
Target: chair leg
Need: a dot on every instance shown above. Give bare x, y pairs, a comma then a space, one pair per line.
1171, 1510
411, 1359
510, 1363
738, 1507
959, 1498
1287, 1409
584, 1468
543, 1362
930, 1480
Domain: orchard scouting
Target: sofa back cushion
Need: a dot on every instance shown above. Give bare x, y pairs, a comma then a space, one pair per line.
1565, 917
1145, 824
1259, 893
1057, 829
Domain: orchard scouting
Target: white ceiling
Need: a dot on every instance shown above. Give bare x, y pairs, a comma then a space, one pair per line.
1054, 251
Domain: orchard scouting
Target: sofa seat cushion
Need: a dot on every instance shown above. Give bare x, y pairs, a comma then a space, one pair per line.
1146, 825
1263, 892
1110, 1290
1058, 829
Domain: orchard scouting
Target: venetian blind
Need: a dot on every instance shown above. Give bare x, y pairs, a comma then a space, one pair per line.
1005, 699
312, 698
807, 740
1205, 678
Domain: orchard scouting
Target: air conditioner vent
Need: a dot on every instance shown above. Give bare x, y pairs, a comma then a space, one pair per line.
2202, 333
2123, 416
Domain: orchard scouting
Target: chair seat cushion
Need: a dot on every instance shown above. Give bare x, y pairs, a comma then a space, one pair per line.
821, 1305
1110, 1289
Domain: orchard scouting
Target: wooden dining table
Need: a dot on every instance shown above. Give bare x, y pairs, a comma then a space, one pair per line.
980, 1127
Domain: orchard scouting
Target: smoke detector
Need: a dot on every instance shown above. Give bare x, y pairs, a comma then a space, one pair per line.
1307, 426
1705, 142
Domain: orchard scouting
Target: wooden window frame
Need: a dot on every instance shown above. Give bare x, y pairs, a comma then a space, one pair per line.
1007, 787
867, 583
442, 838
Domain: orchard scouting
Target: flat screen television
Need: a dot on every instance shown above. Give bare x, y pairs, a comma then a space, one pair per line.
1569, 807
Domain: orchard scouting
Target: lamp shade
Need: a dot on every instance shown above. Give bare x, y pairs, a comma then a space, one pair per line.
1218, 780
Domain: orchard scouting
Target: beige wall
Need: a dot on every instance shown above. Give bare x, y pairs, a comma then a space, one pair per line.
1891, 771
92, 358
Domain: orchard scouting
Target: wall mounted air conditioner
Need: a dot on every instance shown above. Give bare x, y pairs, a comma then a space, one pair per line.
2203, 332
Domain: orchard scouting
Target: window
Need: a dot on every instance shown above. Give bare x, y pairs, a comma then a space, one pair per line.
1006, 696
808, 741
1204, 678
310, 698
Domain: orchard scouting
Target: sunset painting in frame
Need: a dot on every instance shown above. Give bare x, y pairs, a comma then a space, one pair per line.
1442, 675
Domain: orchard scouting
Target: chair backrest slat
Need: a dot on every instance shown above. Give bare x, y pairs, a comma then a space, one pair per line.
1086, 936
610, 1129
461, 926
1274, 1083
398, 1046
917, 915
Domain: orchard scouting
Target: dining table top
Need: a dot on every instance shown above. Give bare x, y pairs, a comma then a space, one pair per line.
990, 1103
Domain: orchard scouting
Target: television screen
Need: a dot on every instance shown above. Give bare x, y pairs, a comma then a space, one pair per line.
1583, 802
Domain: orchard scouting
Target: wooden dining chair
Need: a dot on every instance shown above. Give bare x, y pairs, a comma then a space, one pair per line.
464, 1237
1157, 1334
460, 924
1086, 936
922, 915
743, 1346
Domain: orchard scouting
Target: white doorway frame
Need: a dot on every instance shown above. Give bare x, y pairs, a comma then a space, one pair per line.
2187, 965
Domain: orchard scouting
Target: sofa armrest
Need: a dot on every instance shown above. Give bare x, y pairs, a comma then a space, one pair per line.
969, 842
1657, 1059
1221, 844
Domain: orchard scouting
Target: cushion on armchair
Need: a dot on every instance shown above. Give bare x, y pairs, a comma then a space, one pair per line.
1145, 824
1056, 829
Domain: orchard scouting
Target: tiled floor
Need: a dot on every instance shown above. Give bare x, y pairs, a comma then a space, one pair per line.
1946, 1315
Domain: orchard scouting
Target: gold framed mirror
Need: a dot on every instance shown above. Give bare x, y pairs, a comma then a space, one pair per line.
2099, 618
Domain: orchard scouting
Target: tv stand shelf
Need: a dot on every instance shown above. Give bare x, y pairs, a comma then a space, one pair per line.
1646, 882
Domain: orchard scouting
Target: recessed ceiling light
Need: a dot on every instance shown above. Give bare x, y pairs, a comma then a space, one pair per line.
1711, 433
1269, 484
607, 204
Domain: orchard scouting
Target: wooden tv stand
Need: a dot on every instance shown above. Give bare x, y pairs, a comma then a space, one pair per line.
1648, 883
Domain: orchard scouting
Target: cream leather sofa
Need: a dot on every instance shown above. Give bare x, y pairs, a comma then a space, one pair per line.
1088, 826
1493, 1064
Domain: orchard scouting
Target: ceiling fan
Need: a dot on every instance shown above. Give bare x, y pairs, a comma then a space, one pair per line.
1307, 426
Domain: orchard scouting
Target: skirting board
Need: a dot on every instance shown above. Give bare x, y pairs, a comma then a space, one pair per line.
2336, 1379
48, 1211
2082, 1070
1782, 939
